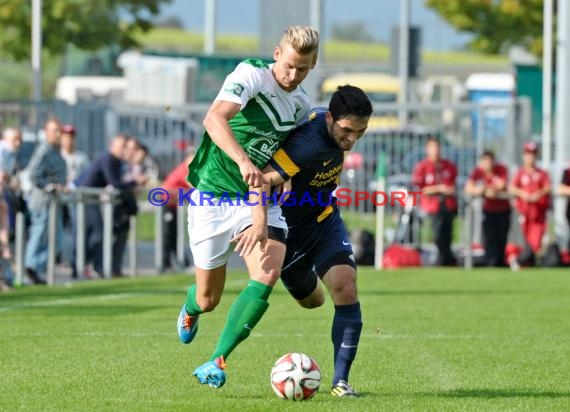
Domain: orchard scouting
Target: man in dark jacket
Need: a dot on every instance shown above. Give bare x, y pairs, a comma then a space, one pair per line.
105, 171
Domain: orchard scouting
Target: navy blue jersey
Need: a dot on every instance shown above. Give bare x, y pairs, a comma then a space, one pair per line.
313, 160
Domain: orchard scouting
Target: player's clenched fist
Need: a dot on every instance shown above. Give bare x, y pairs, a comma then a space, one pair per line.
251, 174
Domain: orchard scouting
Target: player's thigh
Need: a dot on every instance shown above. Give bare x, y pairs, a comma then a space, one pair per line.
316, 298
301, 281
334, 261
265, 265
340, 280
209, 287
210, 231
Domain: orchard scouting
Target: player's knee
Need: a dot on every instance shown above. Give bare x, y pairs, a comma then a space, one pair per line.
313, 302
268, 277
344, 293
207, 303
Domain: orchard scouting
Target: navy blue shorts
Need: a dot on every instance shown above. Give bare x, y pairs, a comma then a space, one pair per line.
312, 251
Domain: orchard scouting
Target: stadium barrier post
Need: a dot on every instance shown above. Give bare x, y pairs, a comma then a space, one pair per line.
380, 212
468, 223
133, 237
52, 236
107, 237
180, 234
80, 233
19, 249
158, 240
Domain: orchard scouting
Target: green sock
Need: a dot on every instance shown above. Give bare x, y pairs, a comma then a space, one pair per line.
243, 315
192, 307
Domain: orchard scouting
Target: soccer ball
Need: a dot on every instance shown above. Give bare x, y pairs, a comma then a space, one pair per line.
295, 377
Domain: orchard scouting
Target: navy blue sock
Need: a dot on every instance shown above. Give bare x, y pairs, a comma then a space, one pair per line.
346, 328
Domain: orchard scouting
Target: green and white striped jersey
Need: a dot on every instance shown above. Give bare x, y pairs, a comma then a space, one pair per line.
268, 113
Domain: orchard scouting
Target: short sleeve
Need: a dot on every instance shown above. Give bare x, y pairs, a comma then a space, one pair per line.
241, 85
517, 179
418, 176
297, 153
502, 172
475, 175
452, 170
545, 178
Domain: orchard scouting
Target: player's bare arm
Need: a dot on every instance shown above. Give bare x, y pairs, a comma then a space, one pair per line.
472, 189
515, 191
434, 189
274, 179
563, 190
543, 191
217, 125
272, 176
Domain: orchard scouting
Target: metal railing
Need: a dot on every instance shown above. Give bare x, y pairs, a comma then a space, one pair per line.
79, 198
472, 224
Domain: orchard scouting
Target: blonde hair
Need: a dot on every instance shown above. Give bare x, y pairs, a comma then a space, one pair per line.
303, 39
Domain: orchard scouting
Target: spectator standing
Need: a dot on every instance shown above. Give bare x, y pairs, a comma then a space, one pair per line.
531, 188
436, 179
105, 171
489, 180
133, 171
76, 162
47, 174
9, 147
175, 180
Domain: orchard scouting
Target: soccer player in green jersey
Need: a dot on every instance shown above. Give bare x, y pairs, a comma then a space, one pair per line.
257, 107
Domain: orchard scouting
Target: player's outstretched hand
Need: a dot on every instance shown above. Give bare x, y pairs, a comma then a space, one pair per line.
248, 238
251, 174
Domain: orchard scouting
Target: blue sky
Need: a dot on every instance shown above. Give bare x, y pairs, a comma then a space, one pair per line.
379, 16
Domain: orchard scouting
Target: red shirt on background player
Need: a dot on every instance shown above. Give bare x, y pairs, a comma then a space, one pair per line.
531, 187
489, 180
177, 179
436, 179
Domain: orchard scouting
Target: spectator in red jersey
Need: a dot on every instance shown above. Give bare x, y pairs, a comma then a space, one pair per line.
175, 180
489, 180
531, 188
436, 179
564, 190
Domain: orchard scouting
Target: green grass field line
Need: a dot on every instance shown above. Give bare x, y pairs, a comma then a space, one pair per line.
433, 339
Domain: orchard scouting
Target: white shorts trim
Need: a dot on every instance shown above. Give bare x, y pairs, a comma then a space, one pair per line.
210, 229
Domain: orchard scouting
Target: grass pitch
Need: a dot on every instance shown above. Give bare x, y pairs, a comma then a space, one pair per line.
432, 340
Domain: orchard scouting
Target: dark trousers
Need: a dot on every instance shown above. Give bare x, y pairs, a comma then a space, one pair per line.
121, 227
442, 229
169, 236
495, 232
94, 237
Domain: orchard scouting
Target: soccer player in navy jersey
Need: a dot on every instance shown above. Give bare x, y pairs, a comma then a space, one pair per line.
318, 244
